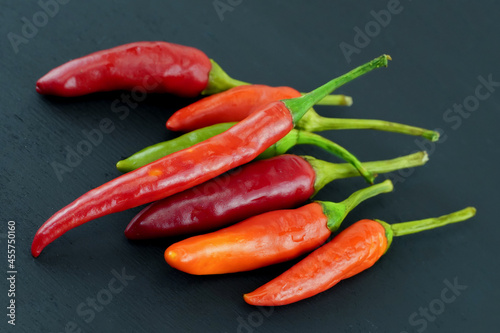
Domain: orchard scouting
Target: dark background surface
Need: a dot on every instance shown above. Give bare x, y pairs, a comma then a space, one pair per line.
439, 51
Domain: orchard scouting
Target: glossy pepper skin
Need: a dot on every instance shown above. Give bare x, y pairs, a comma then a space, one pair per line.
265, 239
261, 186
280, 182
154, 67
354, 250
235, 104
192, 166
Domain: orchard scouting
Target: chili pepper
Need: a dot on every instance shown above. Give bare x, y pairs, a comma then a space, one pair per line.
157, 67
238, 102
265, 239
293, 138
235, 104
190, 167
277, 183
352, 251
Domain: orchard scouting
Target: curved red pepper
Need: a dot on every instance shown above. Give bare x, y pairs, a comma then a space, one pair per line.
157, 67
173, 173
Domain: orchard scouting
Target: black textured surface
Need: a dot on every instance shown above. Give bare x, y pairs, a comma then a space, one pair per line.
439, 50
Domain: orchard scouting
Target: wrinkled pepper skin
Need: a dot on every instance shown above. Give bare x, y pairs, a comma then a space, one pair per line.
277, 183
259, 241
229, 106
153, 67
173, 173
352, 251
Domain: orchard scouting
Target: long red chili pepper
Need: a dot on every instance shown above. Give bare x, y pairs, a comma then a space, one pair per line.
265, 239
190, 167
157, 67
237, 103
277, 183
233, 105
352, 251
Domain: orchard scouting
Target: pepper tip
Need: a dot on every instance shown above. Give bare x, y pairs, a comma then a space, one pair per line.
36, 250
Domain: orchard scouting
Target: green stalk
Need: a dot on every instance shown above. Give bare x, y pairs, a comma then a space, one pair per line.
299, 106
304, 137
327, 172
218, 80
336, 100
406, 228
313, 122
336, 212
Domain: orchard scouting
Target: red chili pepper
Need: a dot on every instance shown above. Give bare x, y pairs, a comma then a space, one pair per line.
237, 103
234, 105
265, 239
192, 166
277, 183
352, 251
157, 67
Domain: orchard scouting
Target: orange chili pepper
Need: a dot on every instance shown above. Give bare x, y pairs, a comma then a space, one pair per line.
265, 239
351, 252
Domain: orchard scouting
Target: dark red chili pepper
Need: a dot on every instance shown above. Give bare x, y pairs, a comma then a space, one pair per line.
192, 166
235, 104
352, 251
238, 102
265, 239
157, 67
277, 183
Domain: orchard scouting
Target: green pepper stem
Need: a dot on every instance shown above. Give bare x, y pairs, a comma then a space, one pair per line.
304, 137
327, 172
336, 100
313, 122
218, 80
336, 212
406, 228
299, 106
